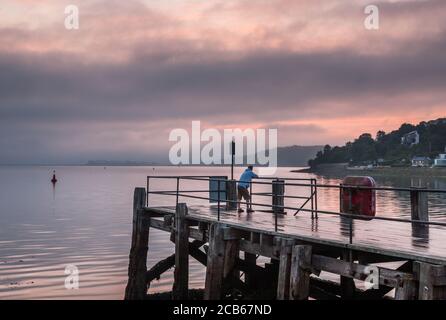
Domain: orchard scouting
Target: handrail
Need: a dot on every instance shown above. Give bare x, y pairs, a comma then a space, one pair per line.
313, 197
201, 178
347, 215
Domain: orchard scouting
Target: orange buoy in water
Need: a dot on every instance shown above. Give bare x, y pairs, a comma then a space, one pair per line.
54, 180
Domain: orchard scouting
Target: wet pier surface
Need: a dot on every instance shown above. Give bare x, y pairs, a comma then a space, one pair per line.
393, 238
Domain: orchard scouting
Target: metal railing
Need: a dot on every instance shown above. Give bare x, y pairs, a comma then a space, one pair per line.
311, 199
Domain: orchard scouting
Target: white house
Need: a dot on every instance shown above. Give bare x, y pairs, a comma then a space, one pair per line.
421, 162
411, 138
440, 161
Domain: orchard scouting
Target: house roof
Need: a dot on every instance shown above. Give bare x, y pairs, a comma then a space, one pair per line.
415, 132
420, 158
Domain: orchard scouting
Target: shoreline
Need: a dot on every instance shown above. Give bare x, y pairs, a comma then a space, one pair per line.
341, 169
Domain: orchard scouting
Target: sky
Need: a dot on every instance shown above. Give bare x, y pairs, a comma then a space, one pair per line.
137, 69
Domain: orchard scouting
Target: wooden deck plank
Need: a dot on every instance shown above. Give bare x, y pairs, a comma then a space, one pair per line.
397, 239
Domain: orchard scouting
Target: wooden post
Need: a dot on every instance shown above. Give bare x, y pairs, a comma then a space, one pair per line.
231, 195
278, 191
269, 280
215, 263
431, 280
300, 272
406, 291
348, 286
231, 256
137, 286
222, 256
181, 273
251, 278
425, 280
419, 204
283, 282
230, 274
440, 282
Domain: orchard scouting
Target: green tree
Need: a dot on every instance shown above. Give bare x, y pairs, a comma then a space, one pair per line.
388, 146
380, 135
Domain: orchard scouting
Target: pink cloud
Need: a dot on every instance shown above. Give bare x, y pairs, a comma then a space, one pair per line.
136, 68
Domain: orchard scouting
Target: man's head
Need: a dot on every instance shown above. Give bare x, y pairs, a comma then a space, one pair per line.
250, 168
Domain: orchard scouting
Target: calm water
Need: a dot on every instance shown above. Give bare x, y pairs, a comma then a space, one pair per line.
86, 221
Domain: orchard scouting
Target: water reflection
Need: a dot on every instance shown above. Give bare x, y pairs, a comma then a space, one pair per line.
314, 225
54, 191
86, 221
420, 235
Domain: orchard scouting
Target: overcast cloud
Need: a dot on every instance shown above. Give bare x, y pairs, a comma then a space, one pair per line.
137, 69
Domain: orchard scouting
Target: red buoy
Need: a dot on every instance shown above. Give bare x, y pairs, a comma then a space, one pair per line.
54, 180
356, 200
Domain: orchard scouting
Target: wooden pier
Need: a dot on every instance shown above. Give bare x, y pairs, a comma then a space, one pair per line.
299, 248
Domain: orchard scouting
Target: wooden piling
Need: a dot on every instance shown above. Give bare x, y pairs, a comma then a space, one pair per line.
231, 256
222, 255
431, 281
300, 272
283, 282
181, 273
407, 290
278, 191
348, 286
269, 280
425, 281
215, 263
137, 285
251, 277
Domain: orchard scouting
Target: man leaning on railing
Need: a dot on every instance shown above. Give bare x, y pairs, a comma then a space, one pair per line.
243, 189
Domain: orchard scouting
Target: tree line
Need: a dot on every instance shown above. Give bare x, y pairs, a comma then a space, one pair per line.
386, 148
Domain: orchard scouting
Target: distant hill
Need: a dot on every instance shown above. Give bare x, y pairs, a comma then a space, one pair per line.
428, 138
296, 156
293, 156
125, 163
